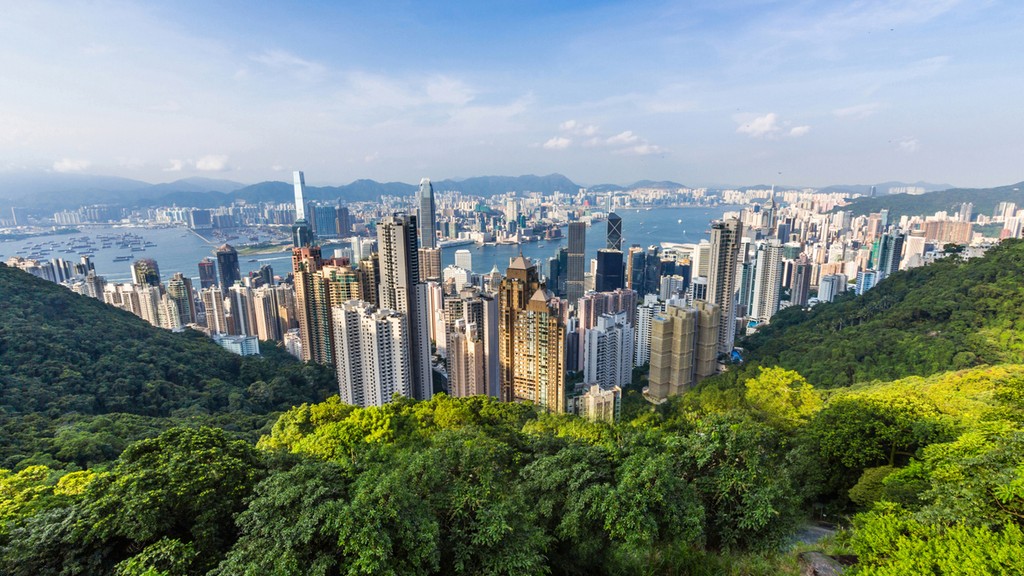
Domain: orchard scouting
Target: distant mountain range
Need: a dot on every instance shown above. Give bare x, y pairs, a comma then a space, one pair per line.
52, 191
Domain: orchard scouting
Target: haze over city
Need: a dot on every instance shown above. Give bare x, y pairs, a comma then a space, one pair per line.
704, 93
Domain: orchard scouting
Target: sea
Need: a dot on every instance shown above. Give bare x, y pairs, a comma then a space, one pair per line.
180, 250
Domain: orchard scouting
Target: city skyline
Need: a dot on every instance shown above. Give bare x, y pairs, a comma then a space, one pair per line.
814, 94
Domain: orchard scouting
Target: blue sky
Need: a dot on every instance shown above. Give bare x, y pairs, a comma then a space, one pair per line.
726, 92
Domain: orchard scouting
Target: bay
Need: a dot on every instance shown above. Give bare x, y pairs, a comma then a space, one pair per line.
643, 227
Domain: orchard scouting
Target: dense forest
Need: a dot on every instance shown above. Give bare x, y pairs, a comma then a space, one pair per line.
920, 463
79, 379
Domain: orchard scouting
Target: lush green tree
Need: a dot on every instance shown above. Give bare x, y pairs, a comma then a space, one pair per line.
186, 485
739, 470
291, 525
165, 557
22, 494
568, 489
783, 396
892, 542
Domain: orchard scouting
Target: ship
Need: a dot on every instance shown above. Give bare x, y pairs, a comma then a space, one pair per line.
455, 242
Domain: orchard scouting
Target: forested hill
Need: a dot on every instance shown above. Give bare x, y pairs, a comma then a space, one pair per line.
985, 201
952, 314
78, 378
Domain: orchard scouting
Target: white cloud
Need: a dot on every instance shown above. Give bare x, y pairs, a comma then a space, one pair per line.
212, 163
908, 145
175, 165
625, 142
642, 150
557, 143
760, 126
445, 90
369, 158
285, 61
859, 111
626, 137
71, 165
577, 128
369, 93
768, 126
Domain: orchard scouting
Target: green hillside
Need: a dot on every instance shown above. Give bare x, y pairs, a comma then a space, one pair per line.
985, 201
949, 315
79, 378
709, 483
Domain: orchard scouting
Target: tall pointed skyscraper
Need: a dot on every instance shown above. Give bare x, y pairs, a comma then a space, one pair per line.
401, 290
299, 181
614, 231
427, 217
725, 248
302, 234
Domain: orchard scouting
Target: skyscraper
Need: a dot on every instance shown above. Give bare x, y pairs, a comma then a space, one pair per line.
179, 291
520, 282
373, 362
831, 286
464, 259
213, 303
466, 365
800, 290
590, 308
401, 290
427, 219
684, 348
767, 281
610, 272
614, 231
243, 314
430, 264
312, 306
723, 255
369, 277
227, 265
538, 360
145, 272
325, 221
887, 254
644, 321
302, 234
344, 221
207, 273
575, 261
265, 308
608, 352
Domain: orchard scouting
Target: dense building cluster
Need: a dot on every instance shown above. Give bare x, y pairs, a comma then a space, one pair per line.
565, 333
